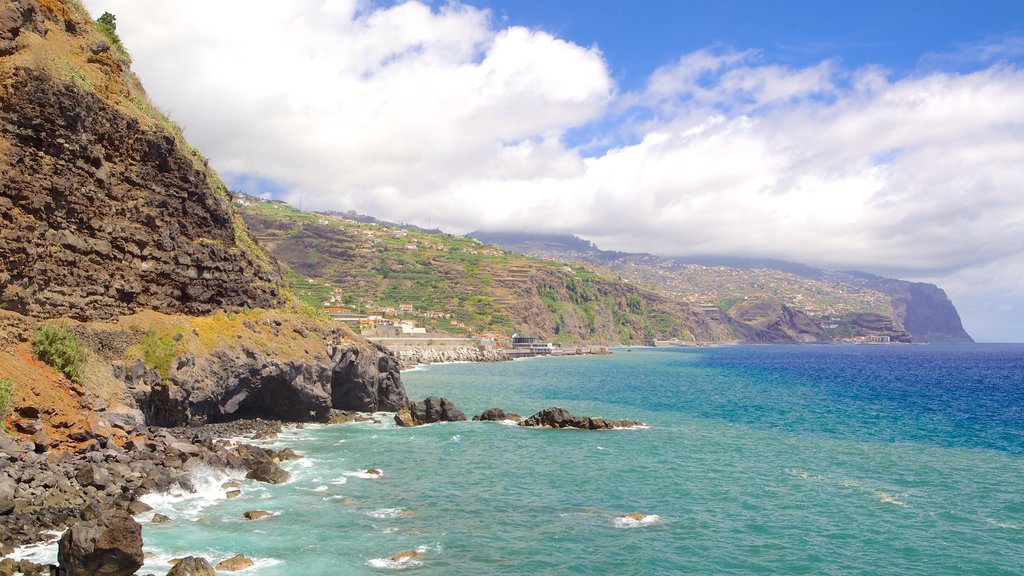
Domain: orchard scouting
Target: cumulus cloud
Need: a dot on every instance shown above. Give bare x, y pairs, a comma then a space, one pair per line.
444, 116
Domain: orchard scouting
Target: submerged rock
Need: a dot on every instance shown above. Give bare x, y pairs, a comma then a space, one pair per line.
257, 514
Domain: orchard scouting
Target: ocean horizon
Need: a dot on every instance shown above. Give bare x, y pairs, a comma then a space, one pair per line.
754, 460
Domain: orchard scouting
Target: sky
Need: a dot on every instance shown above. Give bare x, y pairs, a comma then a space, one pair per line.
880, 136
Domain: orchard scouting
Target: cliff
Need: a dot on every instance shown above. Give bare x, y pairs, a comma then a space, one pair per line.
114, 228
105, 209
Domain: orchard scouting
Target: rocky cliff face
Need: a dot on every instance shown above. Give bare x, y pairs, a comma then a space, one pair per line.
104, 208
924, 309
235, 384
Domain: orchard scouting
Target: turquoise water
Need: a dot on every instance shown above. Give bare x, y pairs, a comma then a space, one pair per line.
757, 460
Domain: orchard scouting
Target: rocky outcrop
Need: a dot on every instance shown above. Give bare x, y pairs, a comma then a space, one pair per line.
496, 415
417, 355
236, 384
366, 380
556, 417
104, 210
432, 409
110, 545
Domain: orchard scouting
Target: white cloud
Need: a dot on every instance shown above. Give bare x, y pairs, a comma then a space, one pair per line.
420, 115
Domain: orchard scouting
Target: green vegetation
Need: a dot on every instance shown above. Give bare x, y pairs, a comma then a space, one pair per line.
61, 349
6, 399
106, 24
158, 352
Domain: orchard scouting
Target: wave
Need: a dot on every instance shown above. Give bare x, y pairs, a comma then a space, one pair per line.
384, 513
635, 520
403, 560
43, 552
180, 502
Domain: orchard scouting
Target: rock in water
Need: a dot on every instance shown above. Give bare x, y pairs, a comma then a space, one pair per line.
556, 417
236, 562
432, 409
268, 471
110, 545
192, 566
404, 555
496, 415
257, 514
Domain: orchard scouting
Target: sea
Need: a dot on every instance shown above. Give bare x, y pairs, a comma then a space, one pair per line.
753, 460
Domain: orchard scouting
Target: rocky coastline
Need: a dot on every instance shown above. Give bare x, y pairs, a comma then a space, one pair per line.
44, 492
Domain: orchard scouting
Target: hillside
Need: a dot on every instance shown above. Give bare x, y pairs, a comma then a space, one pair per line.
844, 302
124, 264
464, 286
460, 285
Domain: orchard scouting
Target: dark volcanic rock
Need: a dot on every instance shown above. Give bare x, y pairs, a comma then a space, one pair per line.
432, 409
496, 415
101, 215
268, 472
245, 384
110, 545
366, 380
556, 417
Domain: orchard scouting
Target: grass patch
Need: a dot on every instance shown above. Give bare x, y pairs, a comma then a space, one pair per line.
58, 347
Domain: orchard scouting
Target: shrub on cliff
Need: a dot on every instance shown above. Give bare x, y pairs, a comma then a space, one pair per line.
61, 349
6, 399
107, 25
158, 352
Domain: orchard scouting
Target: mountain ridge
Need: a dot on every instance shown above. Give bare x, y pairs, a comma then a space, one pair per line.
923, 309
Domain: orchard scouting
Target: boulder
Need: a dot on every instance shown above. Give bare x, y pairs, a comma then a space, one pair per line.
232, 494
236, 562
110, 545
432, 409
7, 490
496, 415
160, 519
93, 475
192, 566
269, 472
136, 507
257, 514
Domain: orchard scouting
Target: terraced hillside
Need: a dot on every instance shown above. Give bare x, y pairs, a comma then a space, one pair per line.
460, 285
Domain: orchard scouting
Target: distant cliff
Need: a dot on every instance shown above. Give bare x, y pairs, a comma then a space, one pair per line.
105, 209
921, 310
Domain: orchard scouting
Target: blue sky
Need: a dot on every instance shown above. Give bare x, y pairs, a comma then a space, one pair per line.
640, 35
881, 136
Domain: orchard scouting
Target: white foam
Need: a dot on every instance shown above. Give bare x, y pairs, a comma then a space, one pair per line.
509, 422
388, 513
44, 552
339, 481
887, 498
160, 561
177, 502
627, 522
407, 562
320, 488
457, 438
1004, 525
365, 475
